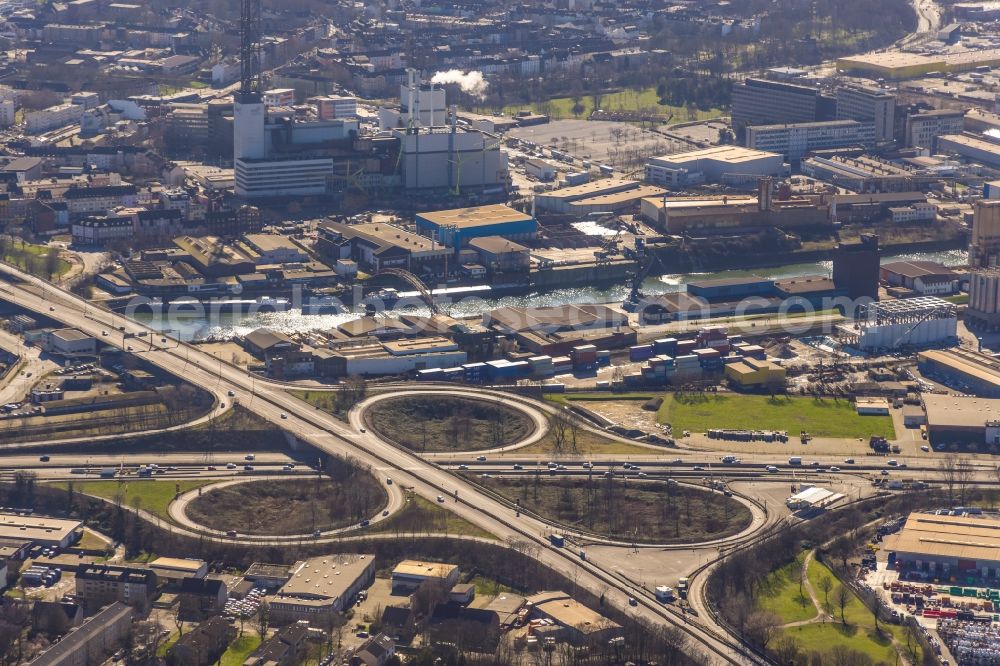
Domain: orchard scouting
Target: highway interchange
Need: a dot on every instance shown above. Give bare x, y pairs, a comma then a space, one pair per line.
617, 572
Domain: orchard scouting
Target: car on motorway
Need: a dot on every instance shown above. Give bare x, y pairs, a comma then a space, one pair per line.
481, 458
892, 462
316, 534
365, 523
362, 430
286, 468
388, 482
848, 461
247, 468
231, 393
440, 498
698, 468
518, 466
834, 469
463, 467
632, 601
104, 333
231, 534
230, 465
210, 468
771, 468
627, 465
385, 513
284, 415
43, 458
52, 309
885, 472
925, 448
249, 456
643, 474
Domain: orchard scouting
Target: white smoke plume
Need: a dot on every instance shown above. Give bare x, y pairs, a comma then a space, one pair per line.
470, 82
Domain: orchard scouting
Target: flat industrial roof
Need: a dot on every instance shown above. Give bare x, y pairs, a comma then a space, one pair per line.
328, 576
591, 189
272, 242
948, 411
177, 564
976, 365
569, 612
960, 537
641, 192
730, 154
423, 569
35, 528
477, 216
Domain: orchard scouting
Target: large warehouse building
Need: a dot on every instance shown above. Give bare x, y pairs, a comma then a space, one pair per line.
456, 227
731, 165
944, 546
963, 370
960, 420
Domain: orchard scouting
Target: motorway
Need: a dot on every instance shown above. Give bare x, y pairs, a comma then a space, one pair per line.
326, 433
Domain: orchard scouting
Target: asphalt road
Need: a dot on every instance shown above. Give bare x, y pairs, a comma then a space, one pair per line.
326, 433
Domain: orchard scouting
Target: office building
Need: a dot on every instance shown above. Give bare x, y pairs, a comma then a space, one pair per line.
730, 165
962, 370
944, 547
101, 584
795, 140
868, 104
765, 102
321, 587
332, 107
984, 242
856, 267
279, 97
983, 310
923, 129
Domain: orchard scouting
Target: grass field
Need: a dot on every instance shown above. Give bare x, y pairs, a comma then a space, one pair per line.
449, 424
819, 417
420, 515
240, 649
780, 594
32, 258
858, 634
587, 444
289, 506
646, 512
626, 100
153, 496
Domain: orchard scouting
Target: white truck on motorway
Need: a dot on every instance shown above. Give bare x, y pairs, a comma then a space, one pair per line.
730, 460
795, 460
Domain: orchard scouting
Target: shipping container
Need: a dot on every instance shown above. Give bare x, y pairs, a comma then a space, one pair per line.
640, 352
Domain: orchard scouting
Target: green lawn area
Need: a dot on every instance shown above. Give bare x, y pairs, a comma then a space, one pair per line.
780, 594
240, 649
957, 299
859, 633
626, 100
154, 496
819, 417
32, 258
420, 515
167, 644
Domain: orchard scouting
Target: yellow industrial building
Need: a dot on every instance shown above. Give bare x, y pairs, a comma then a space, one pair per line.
898, 65
751, 373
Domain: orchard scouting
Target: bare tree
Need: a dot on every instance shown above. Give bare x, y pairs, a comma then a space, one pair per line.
262, 620
842, 597
826, 584
762, 627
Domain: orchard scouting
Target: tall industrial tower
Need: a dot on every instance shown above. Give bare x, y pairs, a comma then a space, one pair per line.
248, 108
